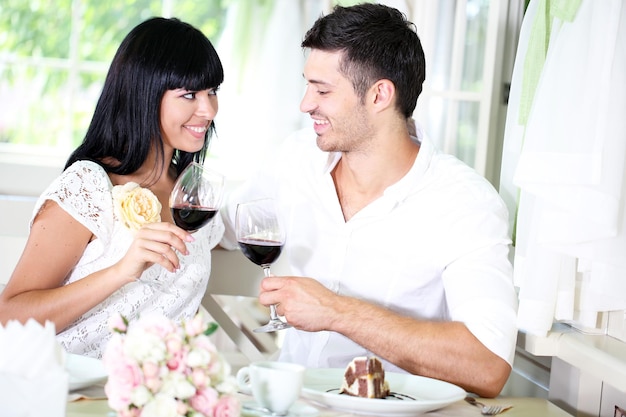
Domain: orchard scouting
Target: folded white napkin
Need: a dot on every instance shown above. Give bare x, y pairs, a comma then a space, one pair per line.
33, 379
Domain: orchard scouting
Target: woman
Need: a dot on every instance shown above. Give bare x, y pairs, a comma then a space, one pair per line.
86, 257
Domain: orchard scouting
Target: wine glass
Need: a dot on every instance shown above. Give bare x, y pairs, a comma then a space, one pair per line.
261, 239
196, 197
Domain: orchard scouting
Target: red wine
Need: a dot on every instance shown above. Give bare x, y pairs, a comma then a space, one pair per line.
261, 252
192, 218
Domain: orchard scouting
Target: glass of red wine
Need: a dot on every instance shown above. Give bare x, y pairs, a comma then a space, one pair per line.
196, 197
261, 239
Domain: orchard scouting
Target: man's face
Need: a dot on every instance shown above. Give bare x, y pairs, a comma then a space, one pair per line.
340, 119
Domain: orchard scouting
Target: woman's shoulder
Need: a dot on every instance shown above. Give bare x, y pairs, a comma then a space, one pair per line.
84, 176
86, 167
83, 190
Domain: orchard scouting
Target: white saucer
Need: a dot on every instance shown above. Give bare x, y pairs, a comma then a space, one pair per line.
84, 371
299, 409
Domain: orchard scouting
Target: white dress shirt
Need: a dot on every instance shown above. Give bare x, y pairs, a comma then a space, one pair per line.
434, 246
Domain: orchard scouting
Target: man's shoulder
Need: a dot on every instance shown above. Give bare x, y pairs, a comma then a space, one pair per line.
458, 175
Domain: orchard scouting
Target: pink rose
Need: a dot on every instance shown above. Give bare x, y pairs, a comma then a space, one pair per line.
205, 401
195, 326
157, 324
204, 342
151, 369
177, 352
199, 378
133, 412
181, 408
124, 376
174, 343
114, 350
227, 406
117, 323
152, 376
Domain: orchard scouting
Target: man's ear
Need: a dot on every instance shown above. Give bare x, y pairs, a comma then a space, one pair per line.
383, 93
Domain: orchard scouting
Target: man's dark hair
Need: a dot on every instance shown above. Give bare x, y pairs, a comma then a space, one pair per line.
377, 42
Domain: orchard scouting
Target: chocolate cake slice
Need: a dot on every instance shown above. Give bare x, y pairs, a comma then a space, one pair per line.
365, 377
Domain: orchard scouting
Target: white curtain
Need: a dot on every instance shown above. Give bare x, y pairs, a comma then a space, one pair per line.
263, 62
263, 85
563, 170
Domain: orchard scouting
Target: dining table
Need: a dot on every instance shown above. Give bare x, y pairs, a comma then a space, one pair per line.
520, 407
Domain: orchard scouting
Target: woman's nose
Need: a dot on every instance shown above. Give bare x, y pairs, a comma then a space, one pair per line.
207, 106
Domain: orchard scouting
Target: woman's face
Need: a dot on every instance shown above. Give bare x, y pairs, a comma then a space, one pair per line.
186, 116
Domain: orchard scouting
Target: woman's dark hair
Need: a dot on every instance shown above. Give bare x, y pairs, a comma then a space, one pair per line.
157, 55
377, 42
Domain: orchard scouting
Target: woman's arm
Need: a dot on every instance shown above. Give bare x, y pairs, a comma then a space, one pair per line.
56, 243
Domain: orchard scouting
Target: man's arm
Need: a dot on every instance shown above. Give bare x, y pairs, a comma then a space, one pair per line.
441, 350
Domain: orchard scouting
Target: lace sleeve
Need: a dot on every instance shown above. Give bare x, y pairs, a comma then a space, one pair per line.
83, 190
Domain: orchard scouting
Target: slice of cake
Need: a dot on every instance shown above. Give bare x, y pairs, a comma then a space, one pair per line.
365, 377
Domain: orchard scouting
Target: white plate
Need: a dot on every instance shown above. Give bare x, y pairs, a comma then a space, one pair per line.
322, 386
84, 371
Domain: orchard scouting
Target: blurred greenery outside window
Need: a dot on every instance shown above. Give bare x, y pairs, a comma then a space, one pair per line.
54, 56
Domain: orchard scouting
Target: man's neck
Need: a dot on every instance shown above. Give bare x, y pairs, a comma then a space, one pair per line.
362, 177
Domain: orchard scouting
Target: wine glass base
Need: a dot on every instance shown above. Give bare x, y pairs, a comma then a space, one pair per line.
272, 326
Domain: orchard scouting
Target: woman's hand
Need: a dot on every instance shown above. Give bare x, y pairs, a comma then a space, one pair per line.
155, 243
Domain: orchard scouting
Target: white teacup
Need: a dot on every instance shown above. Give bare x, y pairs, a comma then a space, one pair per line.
274, 385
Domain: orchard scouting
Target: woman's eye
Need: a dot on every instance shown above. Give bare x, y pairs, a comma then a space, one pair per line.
212, 91
190, 95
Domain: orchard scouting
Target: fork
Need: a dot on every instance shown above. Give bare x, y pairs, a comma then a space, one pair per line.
487, 410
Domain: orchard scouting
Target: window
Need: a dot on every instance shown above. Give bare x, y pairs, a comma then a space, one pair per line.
54, 57
463, 104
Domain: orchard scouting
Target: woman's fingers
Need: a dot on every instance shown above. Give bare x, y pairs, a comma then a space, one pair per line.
166, 233
157, 243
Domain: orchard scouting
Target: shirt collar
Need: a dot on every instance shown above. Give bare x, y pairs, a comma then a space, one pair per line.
331, 161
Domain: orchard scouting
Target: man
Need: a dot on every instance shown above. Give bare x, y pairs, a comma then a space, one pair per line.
397, 250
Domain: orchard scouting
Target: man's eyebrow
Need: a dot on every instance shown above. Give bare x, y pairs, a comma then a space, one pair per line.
317, 82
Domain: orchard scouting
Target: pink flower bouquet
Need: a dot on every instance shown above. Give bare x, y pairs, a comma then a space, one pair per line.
157, 368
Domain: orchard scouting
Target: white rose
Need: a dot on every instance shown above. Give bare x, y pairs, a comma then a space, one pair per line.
140, 396
198, 358
227, 386
176, 385
144, 346
135, 206
161, 406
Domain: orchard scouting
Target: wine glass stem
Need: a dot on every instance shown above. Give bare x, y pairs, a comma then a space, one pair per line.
273, 315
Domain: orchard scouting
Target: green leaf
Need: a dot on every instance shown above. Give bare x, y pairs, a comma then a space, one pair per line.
211, 329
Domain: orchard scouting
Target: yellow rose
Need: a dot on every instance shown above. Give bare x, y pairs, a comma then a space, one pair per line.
135, 206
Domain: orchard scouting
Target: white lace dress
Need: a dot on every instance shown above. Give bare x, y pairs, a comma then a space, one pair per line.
84, 191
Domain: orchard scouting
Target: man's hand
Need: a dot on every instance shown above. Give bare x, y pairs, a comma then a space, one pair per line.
304, 302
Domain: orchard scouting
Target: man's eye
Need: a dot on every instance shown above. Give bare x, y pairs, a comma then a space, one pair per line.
190, 95
321, 93
212, 91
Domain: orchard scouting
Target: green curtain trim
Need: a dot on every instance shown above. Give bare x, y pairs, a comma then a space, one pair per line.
538, 42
